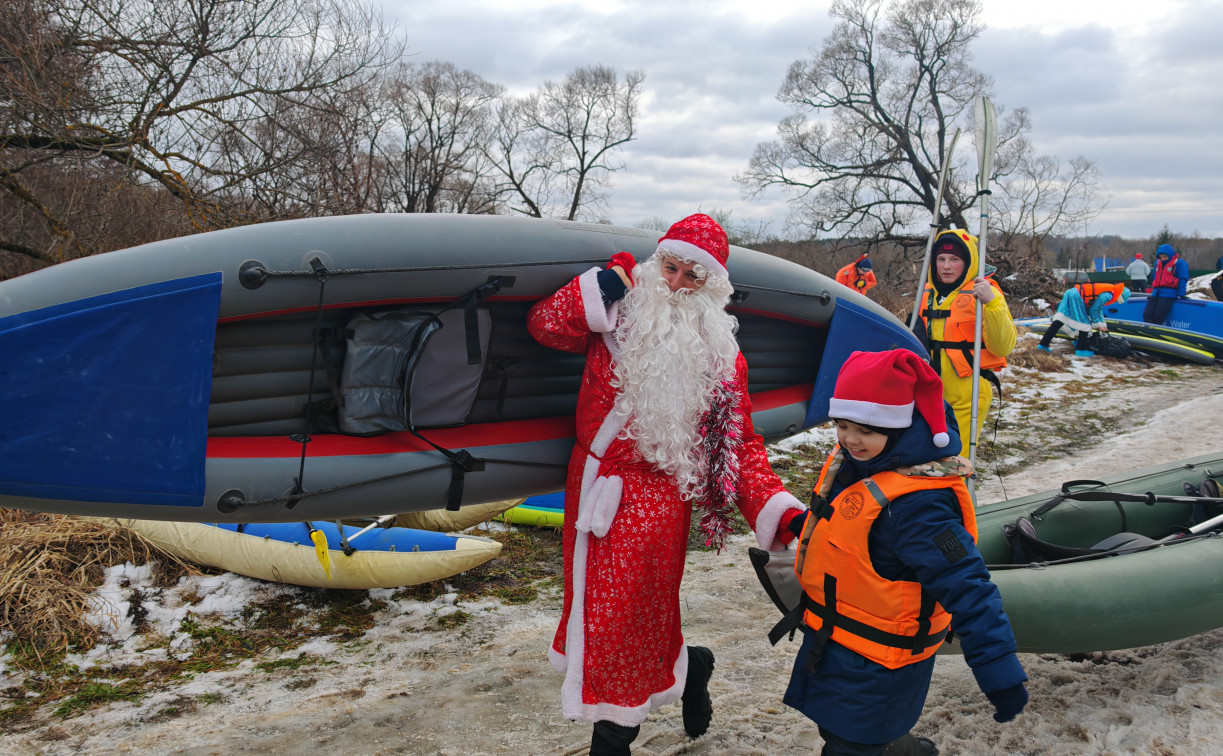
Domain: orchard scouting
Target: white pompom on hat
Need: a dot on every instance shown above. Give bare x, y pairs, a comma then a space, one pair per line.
698, 238
883, 388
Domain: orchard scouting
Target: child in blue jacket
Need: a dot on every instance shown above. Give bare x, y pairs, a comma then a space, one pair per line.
888, 562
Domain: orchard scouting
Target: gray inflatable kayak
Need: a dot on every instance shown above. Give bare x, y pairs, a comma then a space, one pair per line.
348, 366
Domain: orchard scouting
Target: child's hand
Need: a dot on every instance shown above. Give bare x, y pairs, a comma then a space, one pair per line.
982, 290
1008, 702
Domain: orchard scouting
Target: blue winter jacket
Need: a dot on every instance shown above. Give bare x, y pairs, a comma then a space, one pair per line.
1181, 269
865, 702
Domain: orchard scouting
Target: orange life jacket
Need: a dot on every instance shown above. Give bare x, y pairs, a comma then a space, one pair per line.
959, 332
890, 622
1089, 291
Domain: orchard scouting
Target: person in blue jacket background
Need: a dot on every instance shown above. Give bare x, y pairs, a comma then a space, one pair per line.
1167, 284
924, 539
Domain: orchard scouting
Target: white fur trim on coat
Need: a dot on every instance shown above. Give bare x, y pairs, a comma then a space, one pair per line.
685, 251
626, 716
769, 519
599, 317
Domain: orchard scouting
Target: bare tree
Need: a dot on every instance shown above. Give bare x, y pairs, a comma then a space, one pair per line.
443, 120
1042, 198
886, 91
188, 96
554, 149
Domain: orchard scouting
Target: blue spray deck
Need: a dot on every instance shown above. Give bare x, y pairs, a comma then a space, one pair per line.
401, 540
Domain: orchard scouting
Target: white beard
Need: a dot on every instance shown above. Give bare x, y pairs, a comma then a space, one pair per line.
673, 350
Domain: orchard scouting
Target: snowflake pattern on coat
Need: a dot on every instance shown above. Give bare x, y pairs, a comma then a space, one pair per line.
626, 527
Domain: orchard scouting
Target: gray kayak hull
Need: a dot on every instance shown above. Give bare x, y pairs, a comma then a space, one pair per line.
796, 327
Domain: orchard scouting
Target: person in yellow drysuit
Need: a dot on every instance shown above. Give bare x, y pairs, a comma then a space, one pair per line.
948, 322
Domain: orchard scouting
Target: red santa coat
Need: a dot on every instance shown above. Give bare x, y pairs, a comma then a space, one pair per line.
626, 531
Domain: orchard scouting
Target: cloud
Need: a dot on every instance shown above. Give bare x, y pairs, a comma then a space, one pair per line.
1130, 86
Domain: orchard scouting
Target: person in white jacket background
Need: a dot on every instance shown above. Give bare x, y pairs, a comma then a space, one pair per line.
1139, 273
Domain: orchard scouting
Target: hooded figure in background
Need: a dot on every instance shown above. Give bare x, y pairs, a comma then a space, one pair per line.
948, 322
1167, 285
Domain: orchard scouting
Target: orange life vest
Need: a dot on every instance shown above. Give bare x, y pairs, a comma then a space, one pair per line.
890, 622
959, 332
1089, 291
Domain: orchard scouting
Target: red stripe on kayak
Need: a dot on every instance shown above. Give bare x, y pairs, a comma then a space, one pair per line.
782, 397
339, 445
485, 434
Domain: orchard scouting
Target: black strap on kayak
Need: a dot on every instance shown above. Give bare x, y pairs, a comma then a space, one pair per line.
1149, 498
320, 274
463, 461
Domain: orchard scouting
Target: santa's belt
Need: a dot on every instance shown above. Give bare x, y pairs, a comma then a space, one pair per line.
599, 503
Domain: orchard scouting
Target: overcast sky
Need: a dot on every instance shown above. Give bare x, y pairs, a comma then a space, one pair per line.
1135, 86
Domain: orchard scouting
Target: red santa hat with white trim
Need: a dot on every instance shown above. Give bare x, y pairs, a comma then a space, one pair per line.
698, 238
883, 388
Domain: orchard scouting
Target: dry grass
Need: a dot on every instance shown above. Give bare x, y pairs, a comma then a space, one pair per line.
51, 564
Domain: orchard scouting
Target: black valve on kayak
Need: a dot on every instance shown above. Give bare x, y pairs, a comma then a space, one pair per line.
231, 501
252, 274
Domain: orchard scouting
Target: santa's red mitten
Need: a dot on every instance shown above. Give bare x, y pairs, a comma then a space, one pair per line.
624, 260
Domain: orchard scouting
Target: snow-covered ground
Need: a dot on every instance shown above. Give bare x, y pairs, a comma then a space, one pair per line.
485, 687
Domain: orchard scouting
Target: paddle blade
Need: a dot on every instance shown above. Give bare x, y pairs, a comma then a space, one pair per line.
986, 138
320, 550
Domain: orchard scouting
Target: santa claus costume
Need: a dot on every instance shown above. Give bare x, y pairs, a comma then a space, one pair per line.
663, 426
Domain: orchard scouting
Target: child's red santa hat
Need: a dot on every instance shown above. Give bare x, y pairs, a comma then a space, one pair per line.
883, 388
698, 238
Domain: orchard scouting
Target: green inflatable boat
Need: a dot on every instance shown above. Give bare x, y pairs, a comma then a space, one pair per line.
1109, 564
1094, 565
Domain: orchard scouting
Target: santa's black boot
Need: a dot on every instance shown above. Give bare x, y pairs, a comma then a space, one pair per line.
698, 709
611, 739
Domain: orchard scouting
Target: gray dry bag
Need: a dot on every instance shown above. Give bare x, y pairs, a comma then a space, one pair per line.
410, 369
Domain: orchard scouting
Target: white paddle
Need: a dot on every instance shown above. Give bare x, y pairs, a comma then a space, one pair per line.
938, 204
987, 143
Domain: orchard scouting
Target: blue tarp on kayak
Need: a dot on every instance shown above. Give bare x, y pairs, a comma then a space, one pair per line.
865, 331
106, 399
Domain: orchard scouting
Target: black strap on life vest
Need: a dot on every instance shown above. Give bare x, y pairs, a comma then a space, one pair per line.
966, 348
830, 619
